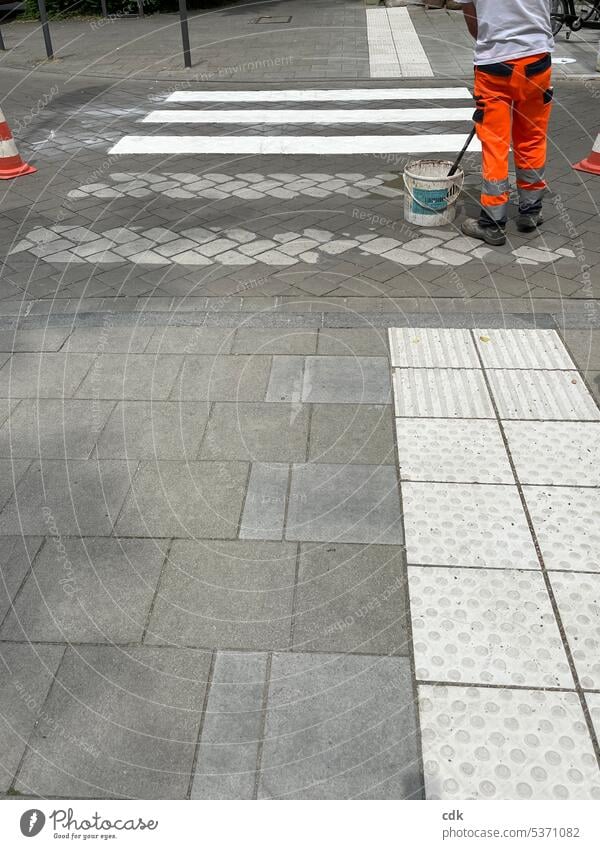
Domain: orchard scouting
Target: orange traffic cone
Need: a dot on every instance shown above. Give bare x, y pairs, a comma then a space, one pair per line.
11, 164
591, 164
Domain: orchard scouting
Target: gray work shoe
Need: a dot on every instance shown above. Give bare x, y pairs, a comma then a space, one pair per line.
490, 235
527, 222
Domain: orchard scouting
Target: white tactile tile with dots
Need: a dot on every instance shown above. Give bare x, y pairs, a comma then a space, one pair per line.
489, 743
448, 450
555, 453
453, 524
567, 524
578, 600
485, 627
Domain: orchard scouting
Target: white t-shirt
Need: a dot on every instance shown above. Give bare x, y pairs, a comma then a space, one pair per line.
511, 29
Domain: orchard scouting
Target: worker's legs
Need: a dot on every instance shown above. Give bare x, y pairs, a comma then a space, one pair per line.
493, 122
531, 114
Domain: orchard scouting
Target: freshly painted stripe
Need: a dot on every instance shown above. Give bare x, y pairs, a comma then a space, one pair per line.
344, 95
293, 145
412, 58
306, 116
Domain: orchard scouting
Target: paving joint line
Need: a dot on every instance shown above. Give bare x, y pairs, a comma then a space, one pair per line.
263, 725
545, 574
209, 680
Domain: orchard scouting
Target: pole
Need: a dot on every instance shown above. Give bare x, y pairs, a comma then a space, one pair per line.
460, 156
140, 5
185, 34
104, 8
2, 47
45, 28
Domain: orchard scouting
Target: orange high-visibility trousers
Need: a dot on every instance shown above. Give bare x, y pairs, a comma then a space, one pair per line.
514, 101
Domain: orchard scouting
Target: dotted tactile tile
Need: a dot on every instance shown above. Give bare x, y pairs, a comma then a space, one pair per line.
560, 395
481, 743
483, 626
452, 450
526, 349
578, 600
567, 524
432, 348
454, 524
559, 453
593, 701
442, 393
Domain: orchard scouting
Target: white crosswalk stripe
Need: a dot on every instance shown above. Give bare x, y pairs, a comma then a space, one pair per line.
413, 139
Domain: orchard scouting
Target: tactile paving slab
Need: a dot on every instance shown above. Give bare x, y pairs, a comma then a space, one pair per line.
555, 453
453, 524
485, 627
432, 348
489, 743
442, 393
567, 524
578, 600
560, 395
452, 450
522, 349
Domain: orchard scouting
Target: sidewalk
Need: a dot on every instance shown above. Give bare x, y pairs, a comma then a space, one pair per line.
322, 41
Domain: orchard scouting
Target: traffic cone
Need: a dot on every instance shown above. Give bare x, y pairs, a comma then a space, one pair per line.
591, 164
11, 164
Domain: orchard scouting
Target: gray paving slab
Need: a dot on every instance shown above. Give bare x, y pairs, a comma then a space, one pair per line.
353, 342
16, 556
173, 499
54, 428
584, 346
62, 497
231, 733
109, 339
45, 375
165, 430
191, 340
260, 432
222, 378
352, 720
351, 598
11, 473
266, 501
87, 590
277, 341
352, 503
131, 377
285, 379
352, 433
26, 674
119, 723
346, 380
27, 341
225, 595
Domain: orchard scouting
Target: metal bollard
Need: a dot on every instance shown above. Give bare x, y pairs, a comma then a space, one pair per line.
2, 46
104, 8
140, 5
185, 34
45, 28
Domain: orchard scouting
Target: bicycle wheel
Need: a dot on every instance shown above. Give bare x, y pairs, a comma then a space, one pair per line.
587, 10
558, 15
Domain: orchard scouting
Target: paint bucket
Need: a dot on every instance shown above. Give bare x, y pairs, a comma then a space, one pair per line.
431, 195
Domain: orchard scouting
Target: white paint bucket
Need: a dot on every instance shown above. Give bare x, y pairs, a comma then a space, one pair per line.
431, 195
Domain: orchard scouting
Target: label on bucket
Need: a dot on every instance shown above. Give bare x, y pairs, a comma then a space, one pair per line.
429, 201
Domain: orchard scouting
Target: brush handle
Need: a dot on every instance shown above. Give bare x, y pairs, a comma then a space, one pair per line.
459, 158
